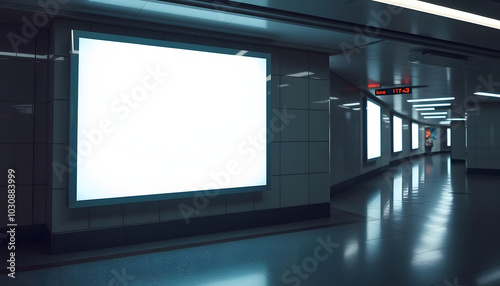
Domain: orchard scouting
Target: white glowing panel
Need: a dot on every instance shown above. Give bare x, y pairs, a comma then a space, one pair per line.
448, 136
414, 136
256, 279
373, 130
397, 134
160, 120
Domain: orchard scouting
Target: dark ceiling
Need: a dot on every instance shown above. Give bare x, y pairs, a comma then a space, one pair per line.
369, 42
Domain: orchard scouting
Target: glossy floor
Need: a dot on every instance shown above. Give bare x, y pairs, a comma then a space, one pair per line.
424, 222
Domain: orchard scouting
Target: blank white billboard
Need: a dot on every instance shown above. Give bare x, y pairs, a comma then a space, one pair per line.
397, 134
373, 130
160, 119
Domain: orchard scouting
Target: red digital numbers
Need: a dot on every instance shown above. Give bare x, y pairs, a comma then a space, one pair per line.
389, 91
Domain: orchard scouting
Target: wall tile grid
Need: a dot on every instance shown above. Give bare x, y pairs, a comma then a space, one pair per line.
458, 140
483, 136
299, 145
345, 134
23, 117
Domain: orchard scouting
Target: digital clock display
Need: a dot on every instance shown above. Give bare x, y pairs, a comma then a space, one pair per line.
396, 90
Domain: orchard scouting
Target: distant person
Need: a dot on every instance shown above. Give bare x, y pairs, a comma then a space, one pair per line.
428, 145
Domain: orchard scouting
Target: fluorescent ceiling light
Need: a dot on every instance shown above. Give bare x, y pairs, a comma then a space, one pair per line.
301, 74
456, 119
425, 109
434, 113
434, 117
22, 55
8, 54
444, 12
432, 105
430, 99
24, 108
444, 122
241, 53
351, 104
487, 94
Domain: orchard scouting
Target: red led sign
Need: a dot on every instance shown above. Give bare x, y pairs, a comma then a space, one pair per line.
396, 90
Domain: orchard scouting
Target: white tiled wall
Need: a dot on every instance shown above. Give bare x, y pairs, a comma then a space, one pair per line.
106, 216
345, 131
23, 110
318, 182
299, 156
294, 158
64, 219
270, 199
137, 213
458, 140
319, 127
39, 203
293, 190
292, 92
483, 137
298, 128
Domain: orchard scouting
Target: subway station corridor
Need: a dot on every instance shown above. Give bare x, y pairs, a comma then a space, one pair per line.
250, 142
423, 222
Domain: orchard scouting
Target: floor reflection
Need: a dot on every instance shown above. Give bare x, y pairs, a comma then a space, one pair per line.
427, 223
255, 279
435, 220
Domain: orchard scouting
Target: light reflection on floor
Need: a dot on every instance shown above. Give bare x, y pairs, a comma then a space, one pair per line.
427, 224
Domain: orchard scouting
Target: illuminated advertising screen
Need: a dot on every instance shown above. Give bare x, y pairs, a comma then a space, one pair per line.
157, 120
397, 134
414, 136
373, 130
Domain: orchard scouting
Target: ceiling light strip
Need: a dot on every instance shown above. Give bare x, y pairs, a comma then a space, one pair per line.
487, 94
351, 104
431, 99
444, 12
432, 105
434, 113
434, 117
